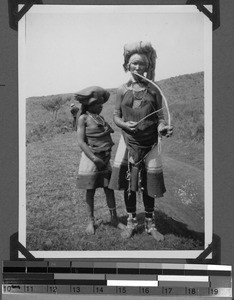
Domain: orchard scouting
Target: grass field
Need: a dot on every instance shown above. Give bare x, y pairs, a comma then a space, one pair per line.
56, 217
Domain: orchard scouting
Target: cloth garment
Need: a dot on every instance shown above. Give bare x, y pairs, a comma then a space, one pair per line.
89, 177
146, 136
152, 173
98, 138
92, 94
137, 165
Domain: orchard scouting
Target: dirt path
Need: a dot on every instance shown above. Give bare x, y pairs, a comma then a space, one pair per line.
184, 199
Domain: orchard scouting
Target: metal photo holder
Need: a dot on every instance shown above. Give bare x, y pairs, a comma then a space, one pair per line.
15, 15
213, 250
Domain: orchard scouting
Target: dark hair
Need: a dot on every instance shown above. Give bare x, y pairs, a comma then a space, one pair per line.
83, 109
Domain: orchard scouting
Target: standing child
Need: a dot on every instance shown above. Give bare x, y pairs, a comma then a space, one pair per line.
94, 138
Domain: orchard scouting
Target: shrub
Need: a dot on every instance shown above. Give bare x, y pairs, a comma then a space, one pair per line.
48, 130
54, 103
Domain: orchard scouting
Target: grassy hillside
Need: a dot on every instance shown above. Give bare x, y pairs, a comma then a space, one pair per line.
56, 216
187, 116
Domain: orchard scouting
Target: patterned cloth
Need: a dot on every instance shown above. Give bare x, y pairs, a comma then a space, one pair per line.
151, 178
89, 177
137, 163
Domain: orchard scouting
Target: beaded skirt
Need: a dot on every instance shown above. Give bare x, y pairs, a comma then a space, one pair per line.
150, 177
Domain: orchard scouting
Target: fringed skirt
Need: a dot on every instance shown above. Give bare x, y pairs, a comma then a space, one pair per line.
150, 177
89, 177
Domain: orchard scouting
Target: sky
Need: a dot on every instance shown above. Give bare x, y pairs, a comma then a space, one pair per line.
63, 49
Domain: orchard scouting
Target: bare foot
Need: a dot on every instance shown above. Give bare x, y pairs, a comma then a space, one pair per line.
157, 235
115, 223
121, 226
127, 233
130, 229
90, 228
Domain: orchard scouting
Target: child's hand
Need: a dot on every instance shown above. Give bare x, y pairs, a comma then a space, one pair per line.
166, 130
99, 163
130, 126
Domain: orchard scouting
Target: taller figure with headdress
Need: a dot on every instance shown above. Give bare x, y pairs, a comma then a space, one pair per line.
138, 112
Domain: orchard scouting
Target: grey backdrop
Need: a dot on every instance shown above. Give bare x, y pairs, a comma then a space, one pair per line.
223, 124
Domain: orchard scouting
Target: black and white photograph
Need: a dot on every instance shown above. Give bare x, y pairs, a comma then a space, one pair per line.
115, 131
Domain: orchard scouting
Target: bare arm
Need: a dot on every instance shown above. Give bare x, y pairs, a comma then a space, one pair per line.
83, 145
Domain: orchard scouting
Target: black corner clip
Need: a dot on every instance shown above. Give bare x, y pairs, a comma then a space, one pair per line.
16, 247
15, 15
214, 16
213, 249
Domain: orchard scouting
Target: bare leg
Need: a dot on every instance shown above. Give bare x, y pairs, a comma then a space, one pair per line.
90, 211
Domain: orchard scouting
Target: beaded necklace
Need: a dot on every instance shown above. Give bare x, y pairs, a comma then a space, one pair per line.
139, 91
99, 120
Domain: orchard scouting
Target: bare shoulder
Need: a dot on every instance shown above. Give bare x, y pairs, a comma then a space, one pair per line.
121, 90
82, 119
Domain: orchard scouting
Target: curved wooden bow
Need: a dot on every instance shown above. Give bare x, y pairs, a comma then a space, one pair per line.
163, 97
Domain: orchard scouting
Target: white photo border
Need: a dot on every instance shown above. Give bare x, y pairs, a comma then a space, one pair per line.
208, 172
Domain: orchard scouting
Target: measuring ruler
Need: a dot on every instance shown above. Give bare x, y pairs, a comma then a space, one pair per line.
180, 281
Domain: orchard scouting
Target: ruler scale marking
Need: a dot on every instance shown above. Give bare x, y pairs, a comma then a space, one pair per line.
116, 278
